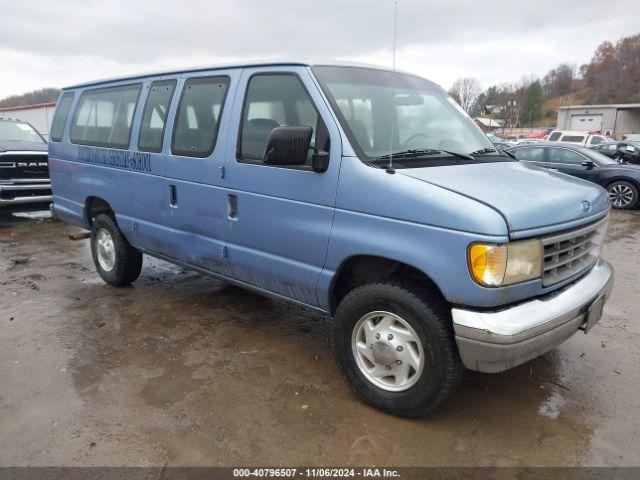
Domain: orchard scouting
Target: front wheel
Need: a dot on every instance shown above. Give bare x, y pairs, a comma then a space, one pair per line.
116, 260
623, 194
396, 347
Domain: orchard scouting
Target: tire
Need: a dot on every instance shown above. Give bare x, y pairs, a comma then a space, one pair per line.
117, 262
623, 194
427, 315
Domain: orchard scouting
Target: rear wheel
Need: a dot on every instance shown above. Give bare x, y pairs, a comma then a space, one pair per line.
396, 348
117, 262
623, 194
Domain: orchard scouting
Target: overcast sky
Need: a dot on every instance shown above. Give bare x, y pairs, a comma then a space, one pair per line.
45, 43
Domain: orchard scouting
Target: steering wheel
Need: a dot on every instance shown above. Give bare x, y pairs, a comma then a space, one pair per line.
415, 136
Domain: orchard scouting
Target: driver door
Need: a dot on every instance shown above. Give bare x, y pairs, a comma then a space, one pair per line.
279, 217
571, 162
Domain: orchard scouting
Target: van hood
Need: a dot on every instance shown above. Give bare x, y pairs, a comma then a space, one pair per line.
528, 197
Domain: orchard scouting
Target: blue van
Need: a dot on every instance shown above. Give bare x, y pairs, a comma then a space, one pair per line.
360, 192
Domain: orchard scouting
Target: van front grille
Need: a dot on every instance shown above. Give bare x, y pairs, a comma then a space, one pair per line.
569, 253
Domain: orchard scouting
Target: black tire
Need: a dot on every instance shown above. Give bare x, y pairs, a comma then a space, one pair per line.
625, 185
128, 261
429, 316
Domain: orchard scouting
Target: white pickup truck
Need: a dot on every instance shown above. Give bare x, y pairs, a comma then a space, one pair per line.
577, 137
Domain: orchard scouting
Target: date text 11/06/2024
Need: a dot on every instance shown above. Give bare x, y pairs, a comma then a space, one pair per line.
316, 472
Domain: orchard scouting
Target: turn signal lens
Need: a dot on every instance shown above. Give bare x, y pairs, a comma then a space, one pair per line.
498, 265
488, 263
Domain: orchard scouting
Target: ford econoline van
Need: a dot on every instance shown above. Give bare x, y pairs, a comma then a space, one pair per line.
360, 192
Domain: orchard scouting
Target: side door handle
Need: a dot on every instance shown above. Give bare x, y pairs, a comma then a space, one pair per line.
173, 196
232, 207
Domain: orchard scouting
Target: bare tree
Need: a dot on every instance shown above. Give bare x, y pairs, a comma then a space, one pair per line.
559, 81
465, 91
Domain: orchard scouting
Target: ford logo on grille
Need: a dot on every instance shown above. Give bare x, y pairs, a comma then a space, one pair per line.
586, 206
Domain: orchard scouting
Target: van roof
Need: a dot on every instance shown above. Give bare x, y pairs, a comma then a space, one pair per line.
257, 63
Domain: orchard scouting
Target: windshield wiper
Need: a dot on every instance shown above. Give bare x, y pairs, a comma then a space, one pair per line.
487, 150
484, 151
419, 152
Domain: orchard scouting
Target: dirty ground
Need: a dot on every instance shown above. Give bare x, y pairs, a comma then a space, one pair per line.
180, 370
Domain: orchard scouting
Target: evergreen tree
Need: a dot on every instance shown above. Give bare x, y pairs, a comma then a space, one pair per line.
531, 110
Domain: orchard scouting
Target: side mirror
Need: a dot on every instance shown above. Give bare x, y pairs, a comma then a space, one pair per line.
588, 163
288, 146
320, 161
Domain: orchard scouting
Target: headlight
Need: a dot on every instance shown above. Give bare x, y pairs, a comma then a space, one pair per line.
497, 265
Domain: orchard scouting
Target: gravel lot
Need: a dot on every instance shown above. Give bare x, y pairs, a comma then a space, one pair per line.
181, 370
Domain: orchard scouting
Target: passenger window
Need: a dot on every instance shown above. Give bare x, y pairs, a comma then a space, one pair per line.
596, 140
104, 116
60, 117
530, 154
276, 100
572, 138
198, 119
562, 155
154, 116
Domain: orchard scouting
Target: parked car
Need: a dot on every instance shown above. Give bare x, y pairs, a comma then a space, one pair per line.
577, 137
24, 172
621, 181
431, 249
624, 152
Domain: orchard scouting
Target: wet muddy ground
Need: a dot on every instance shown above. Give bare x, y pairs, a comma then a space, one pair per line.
180, 370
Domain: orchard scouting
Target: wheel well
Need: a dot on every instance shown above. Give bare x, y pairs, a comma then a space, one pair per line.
94, 206
362, 269
632, 181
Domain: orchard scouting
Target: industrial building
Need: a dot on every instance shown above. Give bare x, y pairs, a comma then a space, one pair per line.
39, 116
618, 120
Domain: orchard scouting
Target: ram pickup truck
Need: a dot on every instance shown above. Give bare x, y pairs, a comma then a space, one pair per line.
24, 168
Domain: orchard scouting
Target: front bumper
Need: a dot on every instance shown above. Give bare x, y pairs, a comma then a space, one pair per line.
494, 341
18, 194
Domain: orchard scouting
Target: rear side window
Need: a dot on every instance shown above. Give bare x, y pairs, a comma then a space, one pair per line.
554, 136
198, 119
104, 116
530, 154
572, 138
60, 117
154, 116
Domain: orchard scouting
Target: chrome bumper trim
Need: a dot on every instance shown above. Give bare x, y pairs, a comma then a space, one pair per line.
494, 341
26, 200
25, 186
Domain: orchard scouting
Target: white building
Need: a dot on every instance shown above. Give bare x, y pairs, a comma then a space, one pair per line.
618, 120
39, 116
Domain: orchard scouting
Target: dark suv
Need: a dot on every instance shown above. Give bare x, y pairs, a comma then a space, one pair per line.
24, 168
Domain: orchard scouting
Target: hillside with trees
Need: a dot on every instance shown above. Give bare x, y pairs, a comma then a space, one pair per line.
43, 95
612, 76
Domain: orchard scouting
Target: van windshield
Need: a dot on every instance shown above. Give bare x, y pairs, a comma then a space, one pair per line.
385, 112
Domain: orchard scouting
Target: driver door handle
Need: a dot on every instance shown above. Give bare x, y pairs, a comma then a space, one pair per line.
232, 207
